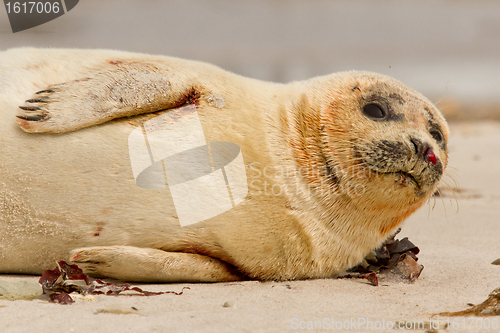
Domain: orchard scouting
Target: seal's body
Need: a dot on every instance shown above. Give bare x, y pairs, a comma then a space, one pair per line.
333, 165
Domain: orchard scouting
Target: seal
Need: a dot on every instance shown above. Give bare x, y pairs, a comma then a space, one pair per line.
318, 172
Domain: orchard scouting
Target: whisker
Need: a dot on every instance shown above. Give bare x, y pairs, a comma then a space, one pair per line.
445, 92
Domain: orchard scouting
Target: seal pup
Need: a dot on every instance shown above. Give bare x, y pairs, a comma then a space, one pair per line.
332, 166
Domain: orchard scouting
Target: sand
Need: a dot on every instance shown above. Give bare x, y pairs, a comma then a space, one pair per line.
457, 249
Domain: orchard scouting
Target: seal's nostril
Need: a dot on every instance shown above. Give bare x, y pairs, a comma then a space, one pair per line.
429, 156
417, 145
423, 150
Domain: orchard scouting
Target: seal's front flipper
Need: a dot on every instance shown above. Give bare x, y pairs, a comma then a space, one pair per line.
125, 90
130, 263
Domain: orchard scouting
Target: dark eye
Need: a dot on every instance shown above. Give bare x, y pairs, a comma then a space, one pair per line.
374, 111
436, 134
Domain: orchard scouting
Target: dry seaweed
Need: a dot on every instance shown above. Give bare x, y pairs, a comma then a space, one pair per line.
65, 279
490, 307
394, 259
371, 277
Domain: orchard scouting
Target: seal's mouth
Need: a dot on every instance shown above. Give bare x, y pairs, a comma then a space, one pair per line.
404, 178
407, 178
395, 163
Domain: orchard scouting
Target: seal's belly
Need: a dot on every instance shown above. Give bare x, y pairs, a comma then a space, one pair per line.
123, 183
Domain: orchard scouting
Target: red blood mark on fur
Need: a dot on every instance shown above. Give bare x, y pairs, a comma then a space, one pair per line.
430, 157
121, 62
99, 229
190, 97
31, 67
82, 79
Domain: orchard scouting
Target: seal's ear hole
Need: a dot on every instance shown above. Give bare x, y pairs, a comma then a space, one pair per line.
374, 111
436, 134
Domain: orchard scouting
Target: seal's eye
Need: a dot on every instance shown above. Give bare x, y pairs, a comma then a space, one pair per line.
374, 111
436, 134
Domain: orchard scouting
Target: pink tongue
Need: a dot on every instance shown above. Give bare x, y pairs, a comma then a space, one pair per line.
429, 155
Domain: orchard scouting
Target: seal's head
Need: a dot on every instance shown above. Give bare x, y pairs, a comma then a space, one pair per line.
373, 141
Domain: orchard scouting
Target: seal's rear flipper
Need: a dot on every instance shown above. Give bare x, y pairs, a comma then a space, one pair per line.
130, 263
126, 89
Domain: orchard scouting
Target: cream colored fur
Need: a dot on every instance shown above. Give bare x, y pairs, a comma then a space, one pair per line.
68, 192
